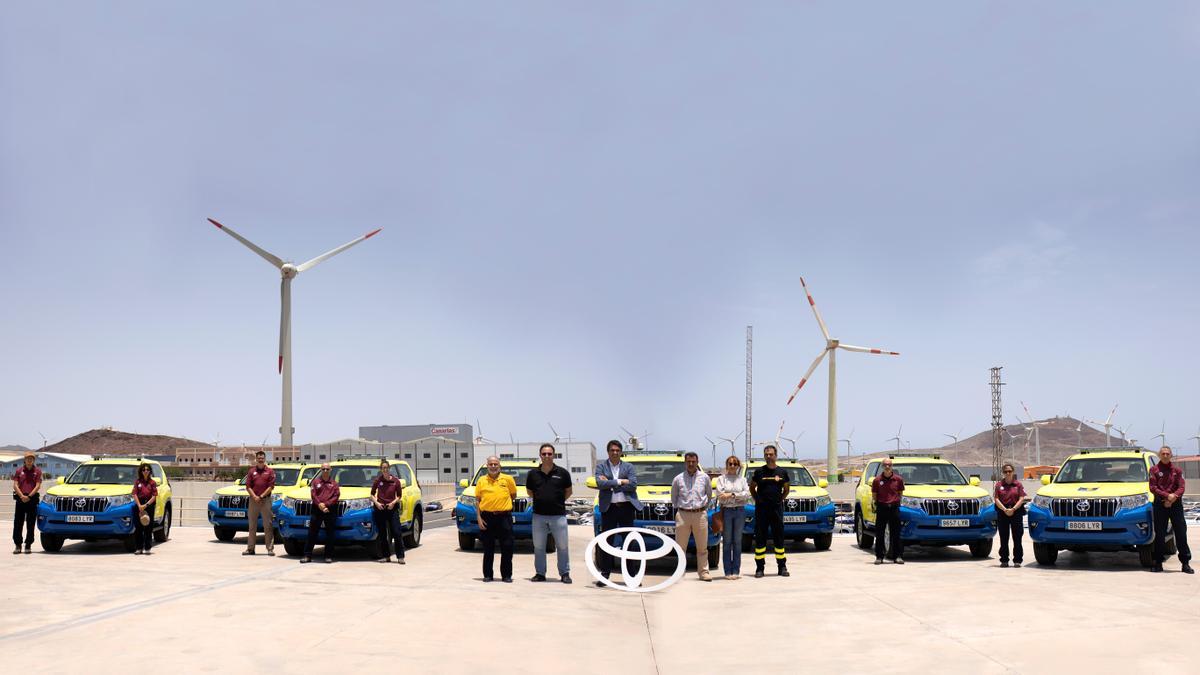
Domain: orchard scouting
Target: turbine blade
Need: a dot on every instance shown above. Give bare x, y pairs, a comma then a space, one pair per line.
1027, 413
1114, 410
813, 303
325, 256
249, 244
816, 362
867, 350
285, 318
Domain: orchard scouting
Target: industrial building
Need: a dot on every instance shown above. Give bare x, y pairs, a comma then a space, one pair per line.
52, 464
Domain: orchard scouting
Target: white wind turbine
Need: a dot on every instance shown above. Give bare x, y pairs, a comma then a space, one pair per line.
288, 271
1161, 434
849, 441
1197, 439
954, 437
897, 437
831, 347
1037, 432
731, 441
1108, 426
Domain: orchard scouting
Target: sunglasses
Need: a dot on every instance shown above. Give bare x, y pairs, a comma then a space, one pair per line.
547, 454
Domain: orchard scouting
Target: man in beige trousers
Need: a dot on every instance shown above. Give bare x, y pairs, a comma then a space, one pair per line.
260, 483
691, 492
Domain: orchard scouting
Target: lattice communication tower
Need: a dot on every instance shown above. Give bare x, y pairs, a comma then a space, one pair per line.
997, 424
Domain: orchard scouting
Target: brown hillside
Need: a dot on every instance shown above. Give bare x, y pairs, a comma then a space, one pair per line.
112, 442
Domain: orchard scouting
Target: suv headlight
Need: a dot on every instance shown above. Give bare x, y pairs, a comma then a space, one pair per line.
911, 502
1041, 502
120, 500
985, 501
290, 503
466, 500
357, 504
824, 500
1134, 501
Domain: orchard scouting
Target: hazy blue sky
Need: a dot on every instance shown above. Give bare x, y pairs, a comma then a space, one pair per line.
583, 206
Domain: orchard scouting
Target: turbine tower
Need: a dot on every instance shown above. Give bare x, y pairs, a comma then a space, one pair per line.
831, 347
288, 271
1197, 439
1108, 426
1161, 434
897, 437
1037, 432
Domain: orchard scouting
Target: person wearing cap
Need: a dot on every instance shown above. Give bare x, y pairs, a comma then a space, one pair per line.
27, 486
145, 493
494, 492
385, 496
691, 492
325, 493
886, 490
260, 482
1166, 483
1009, 496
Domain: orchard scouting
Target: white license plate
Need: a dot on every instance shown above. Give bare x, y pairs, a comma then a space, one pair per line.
235, 514
956, 522
306, 522
81, 519
1084, 525
665, 529
795, 519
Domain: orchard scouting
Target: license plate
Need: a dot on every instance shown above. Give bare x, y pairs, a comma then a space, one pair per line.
81, 519
235, 514
665, 529
795, 519
956, 522
306, 522
1084, 525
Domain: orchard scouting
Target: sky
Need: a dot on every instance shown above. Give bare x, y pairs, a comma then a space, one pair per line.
583, 207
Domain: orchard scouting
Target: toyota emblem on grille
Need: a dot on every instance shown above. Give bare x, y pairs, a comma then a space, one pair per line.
660, 509
1082, 506
80, 503
791, 504
952, 505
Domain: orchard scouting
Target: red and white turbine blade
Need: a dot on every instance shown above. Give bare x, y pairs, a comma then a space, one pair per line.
1110, 414
816, 362
867, 350
813, 303
248, 244
1027, 413
285, 318
325, 256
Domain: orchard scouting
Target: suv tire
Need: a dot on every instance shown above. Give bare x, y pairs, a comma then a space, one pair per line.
413, 538
981, 548
52, 542
224, 533
293, 547
1146, 555
163, 533
822, 542
714, 557
1045, 554
865, 541
466, 541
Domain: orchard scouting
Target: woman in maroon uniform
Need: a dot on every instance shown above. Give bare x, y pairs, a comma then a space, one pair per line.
145, 493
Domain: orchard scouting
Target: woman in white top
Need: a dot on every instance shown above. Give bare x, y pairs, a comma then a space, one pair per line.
732, 493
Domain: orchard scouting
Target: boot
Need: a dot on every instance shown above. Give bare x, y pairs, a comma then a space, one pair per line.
1187, 569
759, 569
783, 569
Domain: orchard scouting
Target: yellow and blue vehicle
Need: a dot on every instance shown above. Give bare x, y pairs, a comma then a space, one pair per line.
227, 508
465, 513
939, 507
355, 523
95, 503
1099, 500
655, 471
808, 511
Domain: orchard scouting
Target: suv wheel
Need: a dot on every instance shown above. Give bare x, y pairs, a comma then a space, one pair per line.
52, 542
130, 542
164, 533
224, 533
822, 542
293, 547
1045, 554
865, 541
714, 557
1146, 555
466, 541
413, 538
981, 548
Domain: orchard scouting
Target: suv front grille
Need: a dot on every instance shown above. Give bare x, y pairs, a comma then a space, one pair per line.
520, 504
656, 511
81, 504
304, 507
233, 501
1090, 507
803, 504
951, 507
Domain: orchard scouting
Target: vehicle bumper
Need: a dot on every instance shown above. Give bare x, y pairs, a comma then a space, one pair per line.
467, 521
821, 521
918, 527
219, 517
666, 527
351, 527
113, 523
1128, 527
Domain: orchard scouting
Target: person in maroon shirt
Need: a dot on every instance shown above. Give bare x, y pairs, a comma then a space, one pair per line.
886, 490
145, 493
1009, 496
260, 482
1166, 482
385, 495
27, 489
325, 493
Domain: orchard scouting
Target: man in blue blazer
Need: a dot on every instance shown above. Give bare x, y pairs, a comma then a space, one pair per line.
617, 482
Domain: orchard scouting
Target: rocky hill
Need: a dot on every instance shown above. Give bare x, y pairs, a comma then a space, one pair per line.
12, 449
112, 442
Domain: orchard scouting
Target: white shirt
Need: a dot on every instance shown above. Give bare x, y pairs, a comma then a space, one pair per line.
736, 485
617, 495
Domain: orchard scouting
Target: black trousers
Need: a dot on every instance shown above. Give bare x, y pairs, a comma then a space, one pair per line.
499, 529
26, 514
387, 524
316, 520
1014, 525
768, 517
619, 514
888, 516
143, 535
1174, 514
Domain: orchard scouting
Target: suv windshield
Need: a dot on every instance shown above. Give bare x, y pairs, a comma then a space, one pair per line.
660, 472
928, 474
282, 477
798, 476
103, 474
517, 472
355, 476
1098, 470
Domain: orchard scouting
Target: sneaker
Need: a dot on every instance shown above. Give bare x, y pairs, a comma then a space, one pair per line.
1004, 563
538, 577
271, 552
566, 578
400, 561
879, 561
305, 560
899, 561
706, 577
600, 584
138, 552
1016, 564
328, 560
147, 552
16, 550
247, 552
382, 560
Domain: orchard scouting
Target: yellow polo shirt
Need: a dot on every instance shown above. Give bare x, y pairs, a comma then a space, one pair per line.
495, 494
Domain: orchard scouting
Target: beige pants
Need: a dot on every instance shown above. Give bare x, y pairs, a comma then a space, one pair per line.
253, 509
694, 523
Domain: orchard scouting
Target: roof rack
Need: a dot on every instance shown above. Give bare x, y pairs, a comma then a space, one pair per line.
928, 455
679, 453
139, 458
1125, 448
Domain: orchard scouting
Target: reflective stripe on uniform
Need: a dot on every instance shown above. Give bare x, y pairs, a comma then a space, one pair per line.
780, 554
760, 553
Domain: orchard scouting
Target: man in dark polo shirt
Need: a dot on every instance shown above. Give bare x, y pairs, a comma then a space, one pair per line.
1167, 484
769, 486
549, 486
886, 490
27, 486
260, 483
325, 493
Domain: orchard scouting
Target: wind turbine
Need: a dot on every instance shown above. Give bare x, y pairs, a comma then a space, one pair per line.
480, 439
897, 437
954, 437
1197, 439
1079, 434
1037, 432
849, 445
1124, 434
714, 449
636, 443
1011, 450
288, 271
1161, 434
831, 347
731, 441
1108, 426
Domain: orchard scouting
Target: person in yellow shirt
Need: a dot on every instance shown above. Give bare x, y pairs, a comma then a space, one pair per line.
494, 493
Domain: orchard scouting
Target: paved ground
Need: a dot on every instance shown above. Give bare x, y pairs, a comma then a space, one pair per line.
194, 606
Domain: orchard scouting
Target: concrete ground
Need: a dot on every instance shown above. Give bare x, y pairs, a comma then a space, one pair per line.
197, 605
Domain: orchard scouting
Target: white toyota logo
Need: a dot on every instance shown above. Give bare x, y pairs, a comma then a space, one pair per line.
661, 509
633, 583
952, 505
1082, 505
80, 503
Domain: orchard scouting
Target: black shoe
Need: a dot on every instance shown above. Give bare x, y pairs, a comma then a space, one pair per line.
1016, 564
488, 580
305, 560
879, 561
247, 552
538, 577
899, 561
1157, 567
28, 548
400, 561
759, 573
1004, 563
507, 580
783, 571
1187, 569
600, 584
566, 578
17, 550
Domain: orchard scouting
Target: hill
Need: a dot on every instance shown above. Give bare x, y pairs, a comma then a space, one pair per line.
12, 449
112, 442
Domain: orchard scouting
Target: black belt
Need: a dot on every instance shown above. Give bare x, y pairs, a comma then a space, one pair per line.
692, 510
497, 513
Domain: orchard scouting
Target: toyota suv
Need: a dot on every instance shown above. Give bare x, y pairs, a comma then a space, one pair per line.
808, 512
355, 523
466, 516
227, 508
655, 471
1099, 500
939, 506
95, 502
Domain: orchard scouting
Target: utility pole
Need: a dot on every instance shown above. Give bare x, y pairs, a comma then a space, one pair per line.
749, 385
997, 423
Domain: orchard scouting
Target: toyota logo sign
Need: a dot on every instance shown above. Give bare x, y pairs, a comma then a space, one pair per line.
1082, 505
633, 582
80, 503
792, 505
661, 509
952, 505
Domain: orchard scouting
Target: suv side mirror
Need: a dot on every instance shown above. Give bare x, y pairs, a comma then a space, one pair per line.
303, 482
974, 480
822, 483
463, 483
591, 482
403, 484
1045, 479
713, 482
60, 480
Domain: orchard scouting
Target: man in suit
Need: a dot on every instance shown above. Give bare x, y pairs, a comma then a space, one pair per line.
617, 482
